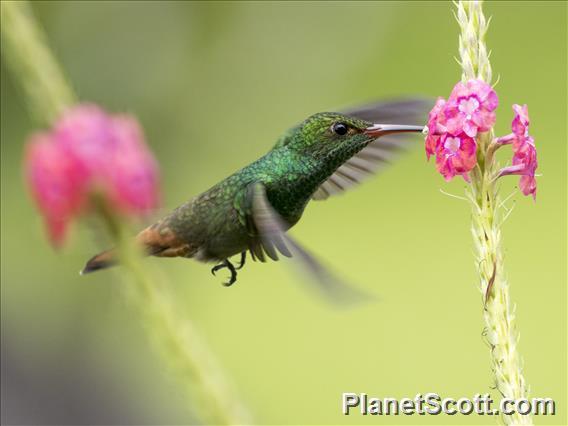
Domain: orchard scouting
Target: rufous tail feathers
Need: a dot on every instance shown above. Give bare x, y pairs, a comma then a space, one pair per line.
155, 242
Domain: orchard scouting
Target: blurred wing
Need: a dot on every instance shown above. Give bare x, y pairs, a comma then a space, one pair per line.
271, 231
394, 111
380, 152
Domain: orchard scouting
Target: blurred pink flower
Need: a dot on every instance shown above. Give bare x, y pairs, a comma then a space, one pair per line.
134, 172
456, 155
90, 151
436, 122
56, 182
470, 108
87, 135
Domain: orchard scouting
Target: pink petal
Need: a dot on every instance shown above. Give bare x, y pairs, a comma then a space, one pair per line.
134, 177
476, 116
468, 149
86, 134
460, 90
436, 114
522, 112
512, 170
492, 101
431, 144
455, 124
436, 118
456, 155
436, 126
469, 128
524, 163
57, 228
56, 183
484, 120
484, 92
445, 168
525, 154
506, 140
113, 157
478, 87
520, 123
527, 184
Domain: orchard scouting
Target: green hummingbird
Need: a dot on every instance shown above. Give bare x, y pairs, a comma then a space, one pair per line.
252, 209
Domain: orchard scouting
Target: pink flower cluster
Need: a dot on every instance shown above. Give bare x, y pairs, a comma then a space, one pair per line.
453, 126
87, 152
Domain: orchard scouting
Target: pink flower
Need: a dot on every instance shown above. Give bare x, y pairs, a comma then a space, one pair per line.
527, 183
520, 127
524, 164
134, 174
90, 151
520, 124
436, 122
454, 124
56, 182
456, 155
524, 152
470, 108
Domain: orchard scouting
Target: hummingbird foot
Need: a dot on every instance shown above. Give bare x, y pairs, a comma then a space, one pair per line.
227, 264
242, 262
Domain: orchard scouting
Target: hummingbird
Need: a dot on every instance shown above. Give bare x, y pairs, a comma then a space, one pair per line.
251, 210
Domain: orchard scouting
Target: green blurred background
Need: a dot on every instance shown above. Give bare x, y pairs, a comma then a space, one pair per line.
214, 85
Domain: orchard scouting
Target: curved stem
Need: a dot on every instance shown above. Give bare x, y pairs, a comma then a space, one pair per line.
180, 345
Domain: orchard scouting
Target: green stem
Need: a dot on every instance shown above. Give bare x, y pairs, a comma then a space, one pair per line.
24, 48
183, 349
500, 330
179, 342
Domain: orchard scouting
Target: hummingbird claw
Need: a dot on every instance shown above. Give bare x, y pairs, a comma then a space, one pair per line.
216, 268
242, 262
231, 268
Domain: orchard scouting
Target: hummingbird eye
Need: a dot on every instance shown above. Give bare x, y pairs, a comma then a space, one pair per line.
340, 129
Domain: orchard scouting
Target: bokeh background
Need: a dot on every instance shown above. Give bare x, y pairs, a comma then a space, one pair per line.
214, 85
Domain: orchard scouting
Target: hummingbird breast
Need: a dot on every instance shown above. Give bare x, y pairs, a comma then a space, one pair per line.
214, 224
210, 224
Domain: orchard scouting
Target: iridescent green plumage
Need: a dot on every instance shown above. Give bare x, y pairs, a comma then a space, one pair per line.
214, 223
251, 210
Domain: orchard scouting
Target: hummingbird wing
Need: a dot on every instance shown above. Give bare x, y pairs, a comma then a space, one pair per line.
272, 237
382, 151
393, 111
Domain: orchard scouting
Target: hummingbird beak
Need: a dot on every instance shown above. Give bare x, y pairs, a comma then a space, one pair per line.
378, 130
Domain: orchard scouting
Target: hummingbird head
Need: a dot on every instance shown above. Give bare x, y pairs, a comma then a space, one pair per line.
325, 133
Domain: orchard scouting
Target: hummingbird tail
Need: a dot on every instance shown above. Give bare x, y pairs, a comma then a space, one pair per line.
103, 260
152, 240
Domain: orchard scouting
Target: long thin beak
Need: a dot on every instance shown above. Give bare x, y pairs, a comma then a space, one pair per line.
378, 130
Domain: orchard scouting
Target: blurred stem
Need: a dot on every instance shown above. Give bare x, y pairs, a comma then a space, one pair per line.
48, 95
180, 343
26, 53
500, 330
